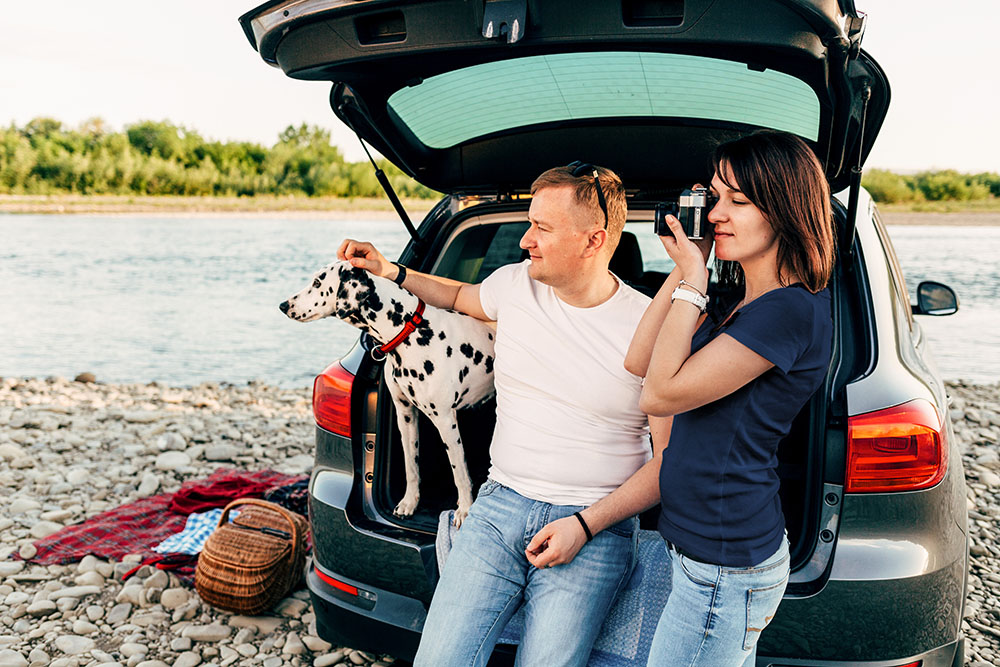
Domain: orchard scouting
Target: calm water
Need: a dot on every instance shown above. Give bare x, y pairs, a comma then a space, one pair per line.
181, 301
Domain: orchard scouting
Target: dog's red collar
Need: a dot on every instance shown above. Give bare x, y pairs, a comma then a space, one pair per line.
412, 322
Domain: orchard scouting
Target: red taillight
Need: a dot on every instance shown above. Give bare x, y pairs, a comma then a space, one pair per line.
332, 399
901, 448
340, 585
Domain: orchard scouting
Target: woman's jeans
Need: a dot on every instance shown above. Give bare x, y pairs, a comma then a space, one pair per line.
487, 577
715, 614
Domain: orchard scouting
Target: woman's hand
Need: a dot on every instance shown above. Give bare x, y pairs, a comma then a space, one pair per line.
365, 256
689, 256
557, 543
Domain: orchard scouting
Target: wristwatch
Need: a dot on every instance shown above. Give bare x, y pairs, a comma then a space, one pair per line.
700, 301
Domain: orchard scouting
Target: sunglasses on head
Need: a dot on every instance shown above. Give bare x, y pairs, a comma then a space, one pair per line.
580, 168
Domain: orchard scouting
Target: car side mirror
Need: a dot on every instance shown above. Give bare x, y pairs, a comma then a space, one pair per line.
934, 298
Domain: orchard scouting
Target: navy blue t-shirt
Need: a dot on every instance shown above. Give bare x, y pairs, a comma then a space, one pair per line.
719, 479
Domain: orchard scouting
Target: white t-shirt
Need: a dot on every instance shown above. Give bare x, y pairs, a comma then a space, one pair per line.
569, 430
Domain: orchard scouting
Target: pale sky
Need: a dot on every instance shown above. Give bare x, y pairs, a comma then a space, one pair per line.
127, 61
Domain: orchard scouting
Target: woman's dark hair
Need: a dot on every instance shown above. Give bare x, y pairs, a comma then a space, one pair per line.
782, 177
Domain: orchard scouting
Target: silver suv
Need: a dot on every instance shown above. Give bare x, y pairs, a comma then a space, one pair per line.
475, 99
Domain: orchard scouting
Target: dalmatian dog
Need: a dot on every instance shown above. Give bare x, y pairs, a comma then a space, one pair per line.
444, 364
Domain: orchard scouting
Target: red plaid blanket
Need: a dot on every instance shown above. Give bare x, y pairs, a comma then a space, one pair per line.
137, 527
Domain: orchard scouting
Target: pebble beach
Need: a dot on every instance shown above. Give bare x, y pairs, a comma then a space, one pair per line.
72, 449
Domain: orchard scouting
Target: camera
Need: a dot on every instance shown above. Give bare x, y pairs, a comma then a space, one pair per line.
691, 208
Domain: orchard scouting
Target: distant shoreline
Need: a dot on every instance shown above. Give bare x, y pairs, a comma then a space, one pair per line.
343, 208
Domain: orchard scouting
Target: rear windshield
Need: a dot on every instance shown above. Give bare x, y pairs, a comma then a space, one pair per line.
454, 107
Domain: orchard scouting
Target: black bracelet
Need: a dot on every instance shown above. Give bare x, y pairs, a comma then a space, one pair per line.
401, 276
586, 528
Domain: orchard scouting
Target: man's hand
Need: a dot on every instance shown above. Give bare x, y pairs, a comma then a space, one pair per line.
556, 543
365, 256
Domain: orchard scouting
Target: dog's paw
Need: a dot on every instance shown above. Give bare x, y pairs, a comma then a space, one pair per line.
460, 514
407, 506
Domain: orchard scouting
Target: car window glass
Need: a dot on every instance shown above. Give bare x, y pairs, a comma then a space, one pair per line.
895, 270
454, 107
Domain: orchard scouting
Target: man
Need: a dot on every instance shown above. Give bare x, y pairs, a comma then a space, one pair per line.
569, 432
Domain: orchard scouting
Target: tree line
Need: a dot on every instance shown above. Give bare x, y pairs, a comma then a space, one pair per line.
159, 158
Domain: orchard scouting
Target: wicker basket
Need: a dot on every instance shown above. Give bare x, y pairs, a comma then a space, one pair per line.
251, 563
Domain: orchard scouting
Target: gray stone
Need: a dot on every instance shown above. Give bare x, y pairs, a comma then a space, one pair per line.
180, 644
27, 551
328, 659
221, 452
82, 627
151, 663
989, 478
187, 659
291, 607
293, 645
273, 662
41, 608
95, 612
119, 613
172, 598
129, 649
11, 658
263, 624
74, 592
9, 567
149, 485
44, 529
38, 655
89, 579
74, 645
246, 650
207, 633
315, 644
172, 461
156, 580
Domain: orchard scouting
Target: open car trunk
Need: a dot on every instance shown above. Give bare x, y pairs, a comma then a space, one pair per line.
473, 240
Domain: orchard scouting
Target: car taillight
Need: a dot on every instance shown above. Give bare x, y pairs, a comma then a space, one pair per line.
332, 399
901, 448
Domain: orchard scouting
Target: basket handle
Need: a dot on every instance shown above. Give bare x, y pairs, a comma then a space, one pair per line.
271, 506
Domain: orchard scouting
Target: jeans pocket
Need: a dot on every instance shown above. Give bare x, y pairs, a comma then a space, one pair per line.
701, 574
624, 528
488, 487
762, 603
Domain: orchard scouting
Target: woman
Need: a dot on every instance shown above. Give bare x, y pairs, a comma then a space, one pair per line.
734, 383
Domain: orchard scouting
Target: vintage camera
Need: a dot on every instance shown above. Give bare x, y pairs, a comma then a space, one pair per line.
691, 209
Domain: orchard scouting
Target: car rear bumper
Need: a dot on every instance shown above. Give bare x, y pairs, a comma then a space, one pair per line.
950, 655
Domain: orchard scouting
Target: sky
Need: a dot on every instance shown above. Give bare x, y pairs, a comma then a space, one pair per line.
126, 61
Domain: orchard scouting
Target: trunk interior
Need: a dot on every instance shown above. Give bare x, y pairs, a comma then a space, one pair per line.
799, 453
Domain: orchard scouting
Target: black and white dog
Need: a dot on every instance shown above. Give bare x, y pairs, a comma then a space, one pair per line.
443, 363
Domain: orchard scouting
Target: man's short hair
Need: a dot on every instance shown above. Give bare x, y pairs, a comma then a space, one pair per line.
585, 193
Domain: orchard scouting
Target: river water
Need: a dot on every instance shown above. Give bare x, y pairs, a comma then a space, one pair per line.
187, 300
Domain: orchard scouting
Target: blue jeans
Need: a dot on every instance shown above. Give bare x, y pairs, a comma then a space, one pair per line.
487, 577
715, 614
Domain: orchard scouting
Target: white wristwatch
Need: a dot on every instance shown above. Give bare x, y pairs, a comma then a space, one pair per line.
700, 301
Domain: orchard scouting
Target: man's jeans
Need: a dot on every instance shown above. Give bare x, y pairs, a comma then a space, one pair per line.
715, 614
487, 577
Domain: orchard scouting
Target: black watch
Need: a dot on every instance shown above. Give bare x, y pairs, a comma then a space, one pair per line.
401, 276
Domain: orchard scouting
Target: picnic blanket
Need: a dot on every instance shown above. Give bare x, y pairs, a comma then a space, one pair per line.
134, 528
627, 632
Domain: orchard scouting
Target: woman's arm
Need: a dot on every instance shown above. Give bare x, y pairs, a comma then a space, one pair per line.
641, 348
558, 542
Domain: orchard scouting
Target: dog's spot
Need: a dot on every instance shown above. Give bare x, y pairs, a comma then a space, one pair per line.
454, 426
324, 303
479, 357
406, 372
406, 418
490, 335
467, 350
396, 372
489, 364
322, 276
425, 336
405, 403
421, 377
462, 374
432, 406
442, 336
448, 351
409, 388
428, 367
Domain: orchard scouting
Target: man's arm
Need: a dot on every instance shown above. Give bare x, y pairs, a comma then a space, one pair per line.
558, 543
434, 290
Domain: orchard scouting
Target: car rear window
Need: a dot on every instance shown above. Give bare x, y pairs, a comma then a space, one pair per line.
454, 107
